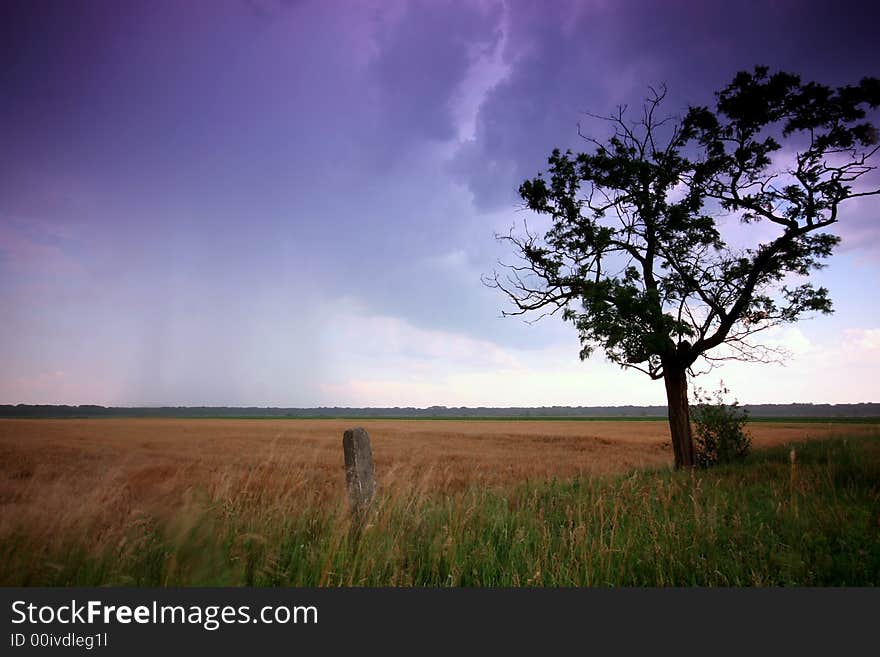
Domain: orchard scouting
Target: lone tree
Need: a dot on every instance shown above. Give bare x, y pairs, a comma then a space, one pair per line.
633, 256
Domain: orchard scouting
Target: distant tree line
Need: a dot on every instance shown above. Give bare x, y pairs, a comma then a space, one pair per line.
863, 410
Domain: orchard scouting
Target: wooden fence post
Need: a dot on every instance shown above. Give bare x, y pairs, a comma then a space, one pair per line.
360, 477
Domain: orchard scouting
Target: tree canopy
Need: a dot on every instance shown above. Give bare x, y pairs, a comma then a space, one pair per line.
634, 256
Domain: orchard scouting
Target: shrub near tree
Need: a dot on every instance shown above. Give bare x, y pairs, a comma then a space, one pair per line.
634, 257
719, 428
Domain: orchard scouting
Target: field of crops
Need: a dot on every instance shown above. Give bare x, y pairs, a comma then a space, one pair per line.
168, 501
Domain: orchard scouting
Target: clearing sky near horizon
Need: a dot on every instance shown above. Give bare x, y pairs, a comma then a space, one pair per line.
266, 202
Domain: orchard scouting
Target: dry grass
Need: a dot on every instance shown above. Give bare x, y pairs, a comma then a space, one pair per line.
109, 470
108, 486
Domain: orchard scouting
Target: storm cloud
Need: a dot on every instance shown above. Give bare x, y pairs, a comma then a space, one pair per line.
198, 199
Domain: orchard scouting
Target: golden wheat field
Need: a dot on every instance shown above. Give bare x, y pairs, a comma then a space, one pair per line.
104, 488
115, 465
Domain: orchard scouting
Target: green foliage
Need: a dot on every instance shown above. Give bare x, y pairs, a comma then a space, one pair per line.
633, 256
720, 433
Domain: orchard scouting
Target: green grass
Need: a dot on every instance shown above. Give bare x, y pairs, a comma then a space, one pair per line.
817, 420
458, 418
764, 522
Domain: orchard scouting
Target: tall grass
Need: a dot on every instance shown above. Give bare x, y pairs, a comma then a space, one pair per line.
766, 522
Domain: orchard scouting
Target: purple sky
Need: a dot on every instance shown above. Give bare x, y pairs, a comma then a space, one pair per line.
291, 203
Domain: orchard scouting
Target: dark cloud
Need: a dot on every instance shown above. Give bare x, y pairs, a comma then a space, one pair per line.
422, 59
588, 56
223, 159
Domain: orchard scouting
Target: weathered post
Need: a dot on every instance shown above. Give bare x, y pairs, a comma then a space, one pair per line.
359, 475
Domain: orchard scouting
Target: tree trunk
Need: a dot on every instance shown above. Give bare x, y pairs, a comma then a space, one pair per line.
679, 417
